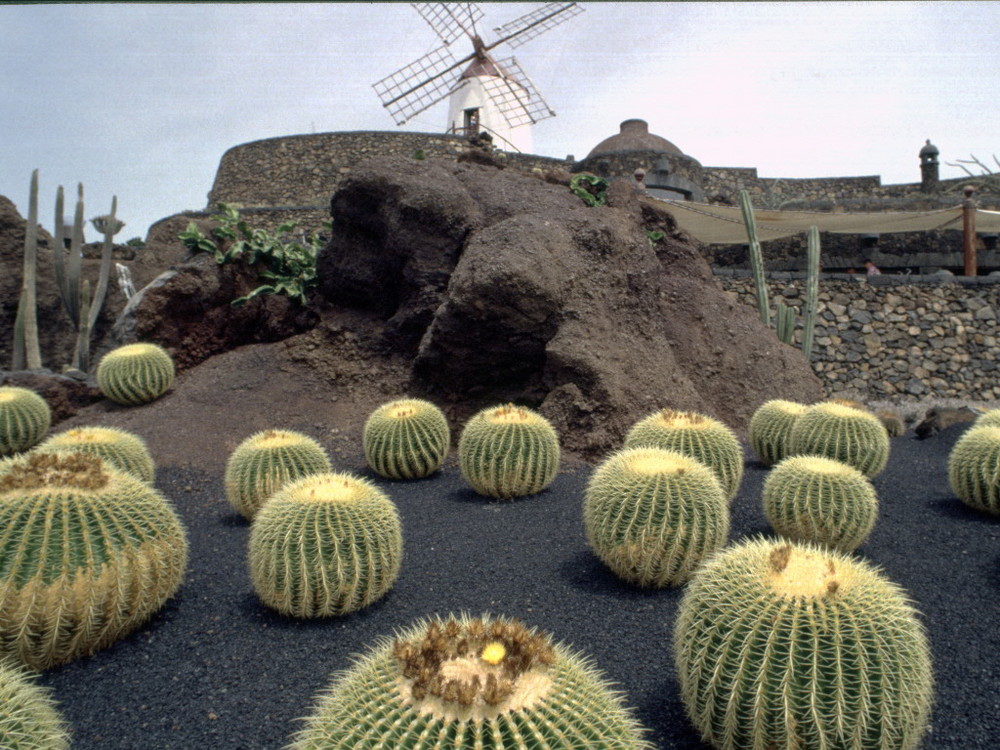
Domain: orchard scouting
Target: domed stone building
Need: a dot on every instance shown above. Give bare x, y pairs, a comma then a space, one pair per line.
669, 172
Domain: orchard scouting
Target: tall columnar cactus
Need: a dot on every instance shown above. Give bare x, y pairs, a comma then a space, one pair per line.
756, 258
487, 682
406, 439
265, 462
29, 718
125, 451
696, 435
812, 291
973, 468
652, 515
771, 427
87, 554
781, 645
25, 417
815, 499
135, 373
27, 352
844, 433
327, 544
508, 451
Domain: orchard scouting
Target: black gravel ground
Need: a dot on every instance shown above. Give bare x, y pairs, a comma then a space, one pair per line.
216, 669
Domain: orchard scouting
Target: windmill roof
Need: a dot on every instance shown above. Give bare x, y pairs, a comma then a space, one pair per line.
483, 66
634, 136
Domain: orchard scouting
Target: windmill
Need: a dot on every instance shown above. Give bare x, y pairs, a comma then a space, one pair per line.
487, 95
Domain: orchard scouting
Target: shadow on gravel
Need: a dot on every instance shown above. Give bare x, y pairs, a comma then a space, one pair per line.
952, 507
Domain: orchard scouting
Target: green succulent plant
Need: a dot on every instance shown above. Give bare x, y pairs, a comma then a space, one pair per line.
462, 683
816, 499
974, 468
406, 439
25, 417
29, 718
844, 433
784, 645
123, 450
87, 554
652, 515
696, 435
326, 544
265, 462
771, 427
508, 451
135, 373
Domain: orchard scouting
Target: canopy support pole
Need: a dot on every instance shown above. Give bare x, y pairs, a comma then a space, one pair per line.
969, 231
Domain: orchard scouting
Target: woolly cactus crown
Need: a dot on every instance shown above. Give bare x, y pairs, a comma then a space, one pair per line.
471, 683
123, 450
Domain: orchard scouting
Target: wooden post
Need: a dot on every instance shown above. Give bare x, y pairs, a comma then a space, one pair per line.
969, 231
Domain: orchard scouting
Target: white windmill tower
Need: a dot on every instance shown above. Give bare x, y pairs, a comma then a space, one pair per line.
486, 95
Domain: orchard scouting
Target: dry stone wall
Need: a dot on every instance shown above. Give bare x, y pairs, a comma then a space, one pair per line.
897, 338
305, 170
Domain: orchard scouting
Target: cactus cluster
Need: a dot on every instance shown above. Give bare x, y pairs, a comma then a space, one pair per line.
29, 718
123, 450
696, 435
652, 515
25, 417
135, 374
508, 451
771, 427
87, 553
487, 682
406, 439
816, 499
265, 462
974, 467
326, 544
844, 433
798, 646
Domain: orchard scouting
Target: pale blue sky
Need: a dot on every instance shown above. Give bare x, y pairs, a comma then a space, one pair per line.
142, 100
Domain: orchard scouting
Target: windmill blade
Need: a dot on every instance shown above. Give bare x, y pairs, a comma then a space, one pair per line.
419, 85
516, 96
528, 26
450, 20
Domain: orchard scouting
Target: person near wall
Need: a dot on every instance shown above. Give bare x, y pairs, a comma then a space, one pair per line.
872, 269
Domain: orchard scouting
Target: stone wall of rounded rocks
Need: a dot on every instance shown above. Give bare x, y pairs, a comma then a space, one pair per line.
896, 337
305, 170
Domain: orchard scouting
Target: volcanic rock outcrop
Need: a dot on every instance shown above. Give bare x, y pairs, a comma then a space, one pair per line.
504, 287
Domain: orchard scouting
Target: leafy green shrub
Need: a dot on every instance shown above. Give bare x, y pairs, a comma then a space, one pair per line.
591, 189
285, 266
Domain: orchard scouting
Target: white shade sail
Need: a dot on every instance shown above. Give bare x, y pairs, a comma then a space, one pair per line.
723, 225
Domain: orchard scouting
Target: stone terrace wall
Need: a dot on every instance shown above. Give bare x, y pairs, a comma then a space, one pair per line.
896, 338
305, 170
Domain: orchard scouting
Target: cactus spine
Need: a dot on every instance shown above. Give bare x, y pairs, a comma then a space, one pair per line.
844, 433
123, 450
972, 468
815, 499
135, 373
326, 544
29, 718
798, 646
508, 451
771, 427
988, 417
265, 462
696, 435
25, 417
87, 554
406, 439
652, 515
471, 683
756, 258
